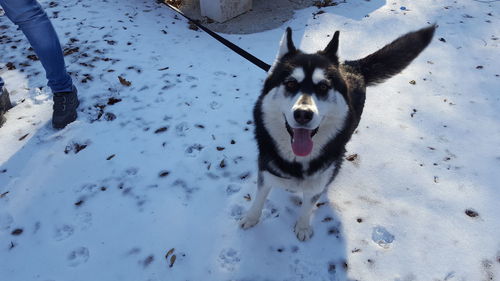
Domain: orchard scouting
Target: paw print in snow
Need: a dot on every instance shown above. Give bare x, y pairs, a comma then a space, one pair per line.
63, 232
237, 212
233, 188
194, 150
229, 259
215, 105
181, 129
84, 220
78, 256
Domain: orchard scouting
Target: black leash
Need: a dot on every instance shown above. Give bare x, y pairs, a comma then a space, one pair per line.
264, 66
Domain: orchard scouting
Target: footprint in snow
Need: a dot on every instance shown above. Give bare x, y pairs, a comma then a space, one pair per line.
84, 220
191, 78
269, 209
181, 129
63, 232
229, 259
233, 188
188, 190
215, 105
237, 212
78, 256
132, 171
194, 150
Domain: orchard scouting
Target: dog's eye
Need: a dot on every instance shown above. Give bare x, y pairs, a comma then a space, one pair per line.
292, 85
322, 88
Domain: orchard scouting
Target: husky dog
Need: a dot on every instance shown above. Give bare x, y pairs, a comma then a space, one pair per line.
309, 108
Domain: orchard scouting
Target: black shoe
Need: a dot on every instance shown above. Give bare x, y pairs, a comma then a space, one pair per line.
4, 104
65, 105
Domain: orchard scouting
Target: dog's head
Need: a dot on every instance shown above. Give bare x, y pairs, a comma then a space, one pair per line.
306, 90
306, 99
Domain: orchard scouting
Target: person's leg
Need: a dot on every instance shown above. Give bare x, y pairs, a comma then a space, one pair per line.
33, 21
4, 102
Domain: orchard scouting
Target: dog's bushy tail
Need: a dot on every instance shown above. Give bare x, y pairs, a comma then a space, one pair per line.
393, 57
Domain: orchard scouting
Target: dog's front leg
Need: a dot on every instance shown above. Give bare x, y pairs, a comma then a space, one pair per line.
252, 216
303, 229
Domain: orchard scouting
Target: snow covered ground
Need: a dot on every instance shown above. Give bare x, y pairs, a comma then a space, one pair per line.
165, 166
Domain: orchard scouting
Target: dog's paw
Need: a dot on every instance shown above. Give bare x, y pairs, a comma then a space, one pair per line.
303, 232
248, 221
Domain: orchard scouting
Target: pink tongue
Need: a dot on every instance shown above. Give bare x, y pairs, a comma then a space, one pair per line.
302, 143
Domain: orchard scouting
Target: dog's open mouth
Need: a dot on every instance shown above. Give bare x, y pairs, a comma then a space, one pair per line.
302, 143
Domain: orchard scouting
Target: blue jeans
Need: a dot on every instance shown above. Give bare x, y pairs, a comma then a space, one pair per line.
36, 26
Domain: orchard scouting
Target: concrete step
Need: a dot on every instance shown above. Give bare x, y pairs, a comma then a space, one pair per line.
223, 10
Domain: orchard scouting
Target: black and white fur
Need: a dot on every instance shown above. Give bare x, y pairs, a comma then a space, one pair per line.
320, 101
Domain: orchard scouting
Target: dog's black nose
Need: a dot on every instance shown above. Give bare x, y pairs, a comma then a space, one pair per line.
303, 116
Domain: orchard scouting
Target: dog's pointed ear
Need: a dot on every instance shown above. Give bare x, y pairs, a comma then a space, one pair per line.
286, 46
331, 49
393, 57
